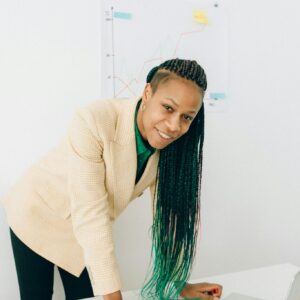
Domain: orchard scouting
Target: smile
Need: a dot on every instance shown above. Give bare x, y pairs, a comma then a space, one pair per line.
164, 136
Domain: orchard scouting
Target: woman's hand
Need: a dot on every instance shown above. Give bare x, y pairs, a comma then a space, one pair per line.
203, 291
113, 296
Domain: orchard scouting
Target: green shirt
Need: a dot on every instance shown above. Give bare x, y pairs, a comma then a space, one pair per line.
143, 148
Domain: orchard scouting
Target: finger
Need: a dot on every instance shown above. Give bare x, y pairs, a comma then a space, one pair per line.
210, 290
218, 291
213, 289
204, 296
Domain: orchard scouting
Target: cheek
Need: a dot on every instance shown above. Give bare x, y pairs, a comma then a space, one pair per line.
153, 119
185, 129
149, 124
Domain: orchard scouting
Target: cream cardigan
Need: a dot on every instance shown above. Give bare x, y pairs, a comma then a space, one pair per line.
64, 205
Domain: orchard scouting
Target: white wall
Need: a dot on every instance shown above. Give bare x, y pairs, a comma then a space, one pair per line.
50, 64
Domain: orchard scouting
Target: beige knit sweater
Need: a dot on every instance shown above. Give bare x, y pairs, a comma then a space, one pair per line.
63, 207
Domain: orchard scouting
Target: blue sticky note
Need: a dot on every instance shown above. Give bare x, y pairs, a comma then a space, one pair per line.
217, 96
122, 15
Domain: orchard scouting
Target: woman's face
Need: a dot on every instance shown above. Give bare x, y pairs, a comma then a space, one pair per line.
169, 112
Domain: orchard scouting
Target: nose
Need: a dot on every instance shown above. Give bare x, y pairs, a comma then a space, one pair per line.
173, 124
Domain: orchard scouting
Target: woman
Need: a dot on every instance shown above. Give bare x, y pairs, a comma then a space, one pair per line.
61, 211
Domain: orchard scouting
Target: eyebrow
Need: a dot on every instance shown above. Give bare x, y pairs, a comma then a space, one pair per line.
169, 98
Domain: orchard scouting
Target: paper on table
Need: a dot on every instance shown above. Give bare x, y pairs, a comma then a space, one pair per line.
294, 290
235, 296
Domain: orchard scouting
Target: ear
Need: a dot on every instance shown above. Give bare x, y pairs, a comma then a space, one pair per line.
147, 93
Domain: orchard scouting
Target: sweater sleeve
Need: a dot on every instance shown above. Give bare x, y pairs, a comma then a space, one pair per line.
91, 222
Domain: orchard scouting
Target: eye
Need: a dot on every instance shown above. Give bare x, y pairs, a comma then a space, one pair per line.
188, 118
167, 107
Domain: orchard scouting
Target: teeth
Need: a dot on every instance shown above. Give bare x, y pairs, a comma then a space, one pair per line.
163, 135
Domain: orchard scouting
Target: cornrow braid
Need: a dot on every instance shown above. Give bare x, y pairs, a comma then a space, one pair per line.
176, 207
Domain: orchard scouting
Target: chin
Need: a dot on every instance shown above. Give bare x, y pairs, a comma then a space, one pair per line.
157, 145
160, 147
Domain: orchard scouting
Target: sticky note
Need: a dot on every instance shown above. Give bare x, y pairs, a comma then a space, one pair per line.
217, 96
200, 16
122, 15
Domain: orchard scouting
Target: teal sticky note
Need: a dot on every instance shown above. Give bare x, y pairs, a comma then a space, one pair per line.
122, 15
217, 96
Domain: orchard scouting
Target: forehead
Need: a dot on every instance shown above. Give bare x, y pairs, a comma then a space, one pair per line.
185, 93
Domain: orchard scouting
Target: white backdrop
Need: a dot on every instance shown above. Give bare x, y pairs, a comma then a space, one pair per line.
50, 58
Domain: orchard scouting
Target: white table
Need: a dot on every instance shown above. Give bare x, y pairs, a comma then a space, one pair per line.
268, 283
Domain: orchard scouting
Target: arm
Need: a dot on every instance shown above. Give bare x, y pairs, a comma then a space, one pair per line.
92, 225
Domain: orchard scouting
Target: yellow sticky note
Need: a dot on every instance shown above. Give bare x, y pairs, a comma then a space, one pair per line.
200, 16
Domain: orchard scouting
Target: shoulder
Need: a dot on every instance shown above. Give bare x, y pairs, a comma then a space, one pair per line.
101, 115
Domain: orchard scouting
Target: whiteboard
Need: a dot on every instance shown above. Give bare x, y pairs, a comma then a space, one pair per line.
138, 35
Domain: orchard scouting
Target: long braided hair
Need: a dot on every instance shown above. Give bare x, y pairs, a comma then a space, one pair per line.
177, 193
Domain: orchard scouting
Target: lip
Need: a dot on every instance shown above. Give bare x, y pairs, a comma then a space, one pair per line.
171, 138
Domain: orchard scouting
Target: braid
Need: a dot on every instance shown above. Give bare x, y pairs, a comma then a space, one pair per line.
177, 194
